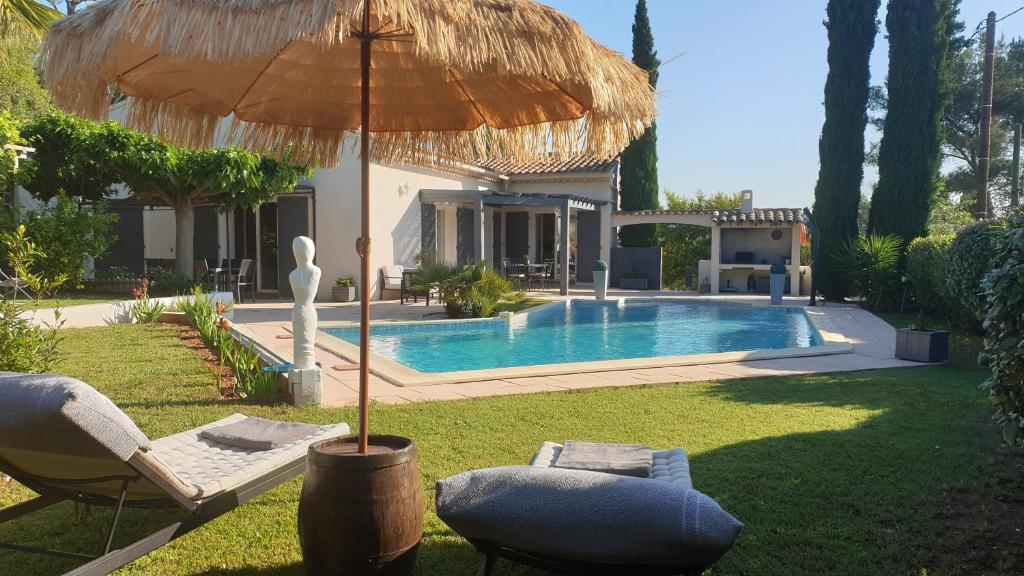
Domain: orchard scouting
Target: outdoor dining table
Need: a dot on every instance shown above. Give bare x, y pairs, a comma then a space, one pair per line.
526, 271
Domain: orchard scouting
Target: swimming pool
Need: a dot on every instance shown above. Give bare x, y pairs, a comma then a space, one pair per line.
587, 331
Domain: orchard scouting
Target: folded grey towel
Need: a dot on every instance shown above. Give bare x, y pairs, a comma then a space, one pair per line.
621, 459
259, 433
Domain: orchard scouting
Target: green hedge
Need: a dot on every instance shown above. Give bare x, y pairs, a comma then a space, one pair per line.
1004, 331
969, 259
926, 271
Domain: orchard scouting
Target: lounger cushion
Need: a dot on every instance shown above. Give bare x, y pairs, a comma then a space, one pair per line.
623, 459
55, 414
258, 433
666, 465
587, 516
392, 274
209, 468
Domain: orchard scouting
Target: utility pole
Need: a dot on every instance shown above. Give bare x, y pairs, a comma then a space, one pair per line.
1015, 189
984, 143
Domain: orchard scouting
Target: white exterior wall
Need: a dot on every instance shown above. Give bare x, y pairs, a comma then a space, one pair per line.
394, 217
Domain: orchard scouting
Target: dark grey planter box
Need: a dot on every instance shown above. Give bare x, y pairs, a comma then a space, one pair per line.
633, 283
922, 345
343, 293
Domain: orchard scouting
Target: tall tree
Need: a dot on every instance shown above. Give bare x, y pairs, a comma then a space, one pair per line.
919, 88
639, 165
90, 158
961, 125
851, 29
21, 93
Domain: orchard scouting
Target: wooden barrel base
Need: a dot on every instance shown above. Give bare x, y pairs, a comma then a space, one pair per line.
361, 514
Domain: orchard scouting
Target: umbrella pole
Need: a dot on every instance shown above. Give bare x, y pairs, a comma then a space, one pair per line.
364, 245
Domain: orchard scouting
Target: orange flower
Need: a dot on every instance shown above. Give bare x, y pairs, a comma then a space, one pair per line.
224, 324
221, 308
137, 293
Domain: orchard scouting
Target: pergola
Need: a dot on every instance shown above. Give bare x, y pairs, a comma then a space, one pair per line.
723, 261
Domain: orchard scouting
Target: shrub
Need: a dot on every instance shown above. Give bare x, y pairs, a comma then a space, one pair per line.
870, 266
145, 310
253, 381
1004, 331
69, 235
969, 258
25, 346
201, 315
926, 271
170, 283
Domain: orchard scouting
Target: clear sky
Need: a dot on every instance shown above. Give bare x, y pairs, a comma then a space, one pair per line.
742, 108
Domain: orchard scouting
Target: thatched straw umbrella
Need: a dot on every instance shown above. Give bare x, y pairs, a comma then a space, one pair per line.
428, 80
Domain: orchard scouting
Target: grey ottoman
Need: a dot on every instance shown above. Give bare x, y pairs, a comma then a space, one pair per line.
586, 522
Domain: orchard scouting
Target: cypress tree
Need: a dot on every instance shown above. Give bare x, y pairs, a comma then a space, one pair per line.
639, 164
919, 88
851, 29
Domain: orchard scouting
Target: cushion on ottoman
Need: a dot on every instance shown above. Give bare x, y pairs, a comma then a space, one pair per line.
588, 516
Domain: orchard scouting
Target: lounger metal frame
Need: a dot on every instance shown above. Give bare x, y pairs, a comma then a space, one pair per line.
492, 552
110, 560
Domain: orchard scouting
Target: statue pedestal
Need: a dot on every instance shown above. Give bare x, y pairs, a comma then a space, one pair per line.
306, 386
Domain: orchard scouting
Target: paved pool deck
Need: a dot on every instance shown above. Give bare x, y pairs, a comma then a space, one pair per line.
864, 341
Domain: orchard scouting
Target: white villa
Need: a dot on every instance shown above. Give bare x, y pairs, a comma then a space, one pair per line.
559, 211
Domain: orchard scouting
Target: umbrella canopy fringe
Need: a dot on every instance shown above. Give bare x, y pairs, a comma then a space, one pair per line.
172, 122
513, 36
469, 38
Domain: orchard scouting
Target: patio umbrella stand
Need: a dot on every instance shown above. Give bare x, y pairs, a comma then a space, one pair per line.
422, 81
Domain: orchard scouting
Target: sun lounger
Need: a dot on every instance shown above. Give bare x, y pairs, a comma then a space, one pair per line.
66, 441
584, 522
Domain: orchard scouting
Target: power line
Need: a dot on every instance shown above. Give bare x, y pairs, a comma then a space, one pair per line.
977, 29
1010, 14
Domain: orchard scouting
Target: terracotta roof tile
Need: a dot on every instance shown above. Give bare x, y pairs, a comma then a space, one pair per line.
566, 166
770, 216
758, 216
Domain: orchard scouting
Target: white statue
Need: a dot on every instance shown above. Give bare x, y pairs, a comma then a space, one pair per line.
305, 280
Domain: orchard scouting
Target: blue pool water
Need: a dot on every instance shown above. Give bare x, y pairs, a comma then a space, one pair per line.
587, 331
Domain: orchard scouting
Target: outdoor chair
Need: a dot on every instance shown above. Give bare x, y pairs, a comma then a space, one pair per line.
586, 522
514, 272
409, 290
67, 442
391, 279
244, 279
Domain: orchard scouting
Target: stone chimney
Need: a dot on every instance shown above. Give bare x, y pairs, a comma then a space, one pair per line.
747, 205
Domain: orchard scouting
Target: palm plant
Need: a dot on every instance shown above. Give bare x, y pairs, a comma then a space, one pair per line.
25, 17
471, 290
871, 267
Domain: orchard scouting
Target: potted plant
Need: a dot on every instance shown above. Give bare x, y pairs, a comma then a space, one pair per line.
600, 279
921, 343
632, 280
344, 290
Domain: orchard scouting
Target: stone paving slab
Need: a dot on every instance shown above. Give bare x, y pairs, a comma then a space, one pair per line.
872, 340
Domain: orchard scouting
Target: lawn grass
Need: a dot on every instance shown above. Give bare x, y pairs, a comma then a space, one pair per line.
524, 304
882, 472
75, 299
